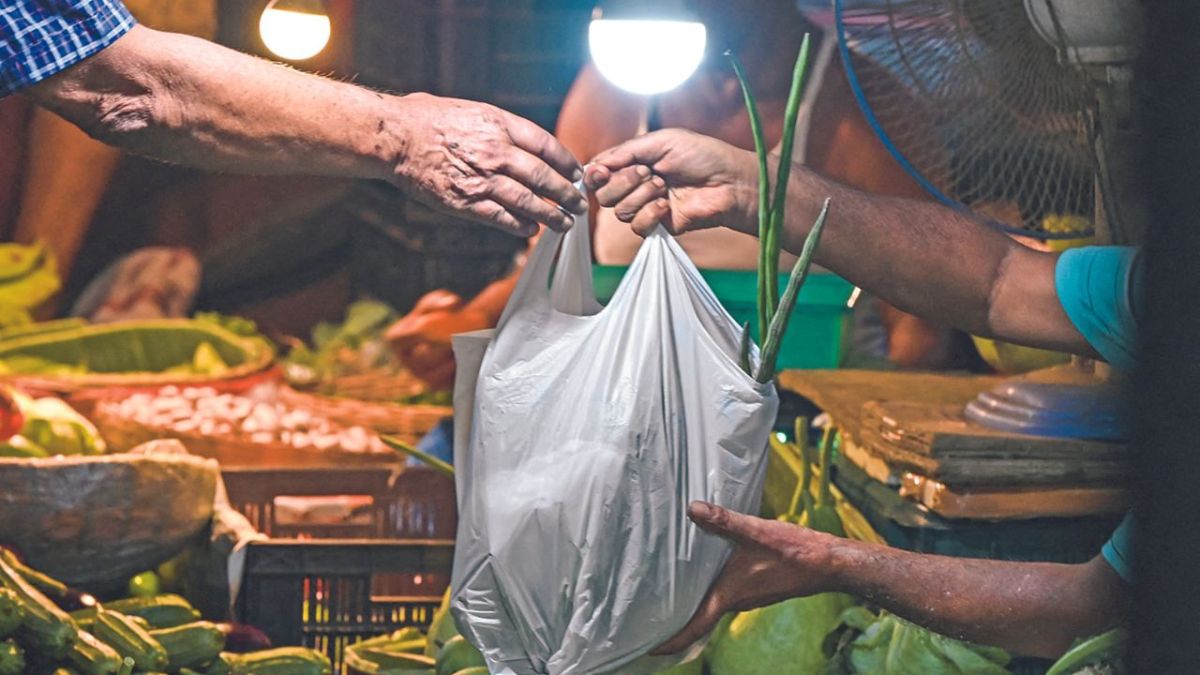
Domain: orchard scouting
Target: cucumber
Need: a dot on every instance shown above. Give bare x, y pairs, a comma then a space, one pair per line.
222, 665
190, 645
458, 654
90, 656
159, 611
43, 582
130, 640
283, 661
389, 657
45, 628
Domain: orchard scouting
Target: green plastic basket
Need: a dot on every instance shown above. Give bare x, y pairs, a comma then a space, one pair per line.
816, 335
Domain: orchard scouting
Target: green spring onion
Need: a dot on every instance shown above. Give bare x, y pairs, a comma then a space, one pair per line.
773, 310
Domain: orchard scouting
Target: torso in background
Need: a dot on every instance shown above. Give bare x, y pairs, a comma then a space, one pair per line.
833, 138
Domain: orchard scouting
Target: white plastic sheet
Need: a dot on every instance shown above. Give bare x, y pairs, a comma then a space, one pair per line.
590, 430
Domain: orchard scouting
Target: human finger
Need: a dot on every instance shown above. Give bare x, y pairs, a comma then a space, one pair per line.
642, 196
647, 149
519, 200
541, 178
538, 142
491, 212
657, 211
621, 184
707, 615
736, 527
596, 175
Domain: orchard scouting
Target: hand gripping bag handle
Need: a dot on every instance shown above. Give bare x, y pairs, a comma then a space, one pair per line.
570, 291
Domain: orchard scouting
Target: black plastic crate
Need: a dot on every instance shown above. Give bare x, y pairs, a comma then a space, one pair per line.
327, 586
329, 594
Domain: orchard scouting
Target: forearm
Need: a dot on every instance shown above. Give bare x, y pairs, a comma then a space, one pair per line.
935, 262
174, 97
1036, 609
922, 258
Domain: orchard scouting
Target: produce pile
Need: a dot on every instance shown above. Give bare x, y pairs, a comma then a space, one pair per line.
408, 651
349, 359
159, 634
43, 427
441, 651
253, 418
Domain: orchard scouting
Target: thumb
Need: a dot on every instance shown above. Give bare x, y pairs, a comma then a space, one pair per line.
736, 527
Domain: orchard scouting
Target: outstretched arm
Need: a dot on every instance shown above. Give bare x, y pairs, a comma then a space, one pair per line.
185, 100
926, 259
1037, 609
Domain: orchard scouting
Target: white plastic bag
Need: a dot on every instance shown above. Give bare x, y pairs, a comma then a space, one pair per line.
590, 431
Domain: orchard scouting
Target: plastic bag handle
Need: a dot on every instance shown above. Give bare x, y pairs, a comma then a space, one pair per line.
570, 291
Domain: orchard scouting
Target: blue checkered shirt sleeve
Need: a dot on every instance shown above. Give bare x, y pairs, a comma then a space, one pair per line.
39, 38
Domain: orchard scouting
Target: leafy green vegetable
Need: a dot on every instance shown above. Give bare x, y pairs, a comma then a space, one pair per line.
238, 325
54, 428
355, 343
888, 645
1104, 648
19, 446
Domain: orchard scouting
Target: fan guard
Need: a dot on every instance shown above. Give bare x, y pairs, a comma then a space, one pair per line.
976, 106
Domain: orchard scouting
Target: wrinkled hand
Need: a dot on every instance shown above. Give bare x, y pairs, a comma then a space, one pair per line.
682, 179
485, 164
772, 561
421, 340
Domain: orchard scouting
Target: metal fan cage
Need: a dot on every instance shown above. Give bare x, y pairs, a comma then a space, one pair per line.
978, 109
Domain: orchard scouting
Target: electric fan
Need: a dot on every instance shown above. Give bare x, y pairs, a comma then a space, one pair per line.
1003, 107
1019, 112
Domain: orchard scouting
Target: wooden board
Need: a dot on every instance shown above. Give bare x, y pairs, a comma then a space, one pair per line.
938, 442
899, 422
842, 393
1014, 503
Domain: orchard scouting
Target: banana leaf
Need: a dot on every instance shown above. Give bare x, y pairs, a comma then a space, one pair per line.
178, 350
40, 328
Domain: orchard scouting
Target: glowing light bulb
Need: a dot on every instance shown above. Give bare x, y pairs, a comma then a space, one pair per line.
646, 56
294, 29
